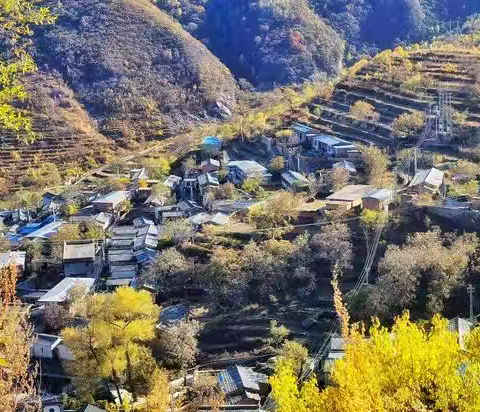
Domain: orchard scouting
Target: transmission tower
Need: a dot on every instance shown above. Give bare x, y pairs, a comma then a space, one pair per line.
444, 117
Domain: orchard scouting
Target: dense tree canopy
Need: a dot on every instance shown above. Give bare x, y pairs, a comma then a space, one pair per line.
411, 367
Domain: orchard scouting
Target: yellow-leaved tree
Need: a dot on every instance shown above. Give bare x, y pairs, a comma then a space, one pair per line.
112, 343
17, 376
410, 367
16, 20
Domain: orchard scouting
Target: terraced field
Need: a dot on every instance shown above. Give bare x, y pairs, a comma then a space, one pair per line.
391, 98
65, 132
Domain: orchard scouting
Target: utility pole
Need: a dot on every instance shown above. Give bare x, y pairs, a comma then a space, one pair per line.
470, 290
414, 161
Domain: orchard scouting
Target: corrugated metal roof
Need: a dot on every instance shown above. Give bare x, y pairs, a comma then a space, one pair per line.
293, 177
379, 194
112, 197
46, 231
236, 378
433, 177
60, 291
329, 140
248, 166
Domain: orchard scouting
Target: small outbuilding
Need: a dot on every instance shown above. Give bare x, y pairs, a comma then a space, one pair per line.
377, 199
294, 181
212, 144
348, 197
429, 180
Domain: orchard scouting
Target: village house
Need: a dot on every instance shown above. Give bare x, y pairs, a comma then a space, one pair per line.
332, 146
377, 199
232, 206
241, 170
303, 132
294, 181
207, 182
91, 215
210, 166
429, 181
82, 259
348, 197
111, 201
59, 293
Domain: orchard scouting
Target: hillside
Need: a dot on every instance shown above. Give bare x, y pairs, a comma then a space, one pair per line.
402, 82
266, 42
67, 136
137, 72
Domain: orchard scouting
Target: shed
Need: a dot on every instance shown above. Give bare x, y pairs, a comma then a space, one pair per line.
242, 385
429, 180
206, 181
59, 292
377, 199
172, 181
294, 181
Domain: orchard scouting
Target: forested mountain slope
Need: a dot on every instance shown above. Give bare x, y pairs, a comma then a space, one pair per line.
366, 26
134, 68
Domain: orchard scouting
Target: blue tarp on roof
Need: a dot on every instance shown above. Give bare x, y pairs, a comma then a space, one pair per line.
32, 227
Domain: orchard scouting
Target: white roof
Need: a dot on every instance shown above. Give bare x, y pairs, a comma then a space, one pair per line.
248, 166
330, 140
112, 197
379, 194
13, 258
207, 179
350, 193
60, 291
432, 177
220, 219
